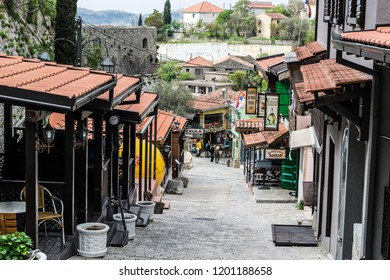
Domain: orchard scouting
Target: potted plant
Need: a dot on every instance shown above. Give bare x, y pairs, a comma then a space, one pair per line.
92, 239
18, 246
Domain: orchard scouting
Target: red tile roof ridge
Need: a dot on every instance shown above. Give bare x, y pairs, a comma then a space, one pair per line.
202, 7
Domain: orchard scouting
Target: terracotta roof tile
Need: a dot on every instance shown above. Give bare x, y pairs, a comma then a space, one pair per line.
264, 137
145, 102
198, 61
234, 58
214, 100
379, 37
261, 5
202, 7
56, 79
123, 83
310, 50
266, 62
329, 75
276, 16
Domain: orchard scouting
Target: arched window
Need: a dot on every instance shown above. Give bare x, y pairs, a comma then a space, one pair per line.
145, 43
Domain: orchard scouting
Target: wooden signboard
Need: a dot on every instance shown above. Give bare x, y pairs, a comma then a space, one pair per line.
275, 154
271, 121
250, 100
261, 105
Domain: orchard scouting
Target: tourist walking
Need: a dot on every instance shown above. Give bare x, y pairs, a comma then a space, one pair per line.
212, 150
217, 153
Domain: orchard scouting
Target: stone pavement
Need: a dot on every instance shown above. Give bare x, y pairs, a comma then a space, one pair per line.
217, 217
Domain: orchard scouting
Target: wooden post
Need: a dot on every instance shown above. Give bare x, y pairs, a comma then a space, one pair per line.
82, 177
31, 182
69, 193
98, 162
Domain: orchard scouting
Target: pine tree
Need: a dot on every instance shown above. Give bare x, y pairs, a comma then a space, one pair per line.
65, 32
140, 20
167, 13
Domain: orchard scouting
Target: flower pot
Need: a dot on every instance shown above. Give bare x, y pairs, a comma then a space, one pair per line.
130, 221
147, 207
92, 239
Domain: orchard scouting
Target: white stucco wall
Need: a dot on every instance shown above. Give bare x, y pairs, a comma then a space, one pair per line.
193, 18
215, 51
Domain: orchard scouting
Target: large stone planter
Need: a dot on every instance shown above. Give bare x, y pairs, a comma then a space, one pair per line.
130, 221
147, 207
92, 239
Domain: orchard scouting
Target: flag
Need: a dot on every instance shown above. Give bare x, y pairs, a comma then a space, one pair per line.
240, 98
307, 2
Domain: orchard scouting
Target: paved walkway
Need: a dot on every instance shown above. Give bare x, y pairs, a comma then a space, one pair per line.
217, 217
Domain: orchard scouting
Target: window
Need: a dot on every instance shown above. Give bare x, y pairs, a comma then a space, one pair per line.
355, 13
334, 11
193, 15
145, 43
198, 72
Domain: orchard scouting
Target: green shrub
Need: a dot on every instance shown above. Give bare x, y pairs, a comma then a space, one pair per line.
15, 246
300, 205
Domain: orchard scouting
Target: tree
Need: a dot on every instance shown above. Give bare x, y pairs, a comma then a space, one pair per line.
65, 32
281, 9
241, 18
140, 20
155, 19
167, 13
295, 28
295, 7
239, 78
174, 98
169, 70
94, 57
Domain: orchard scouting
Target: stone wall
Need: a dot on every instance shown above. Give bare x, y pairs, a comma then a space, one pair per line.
133, 50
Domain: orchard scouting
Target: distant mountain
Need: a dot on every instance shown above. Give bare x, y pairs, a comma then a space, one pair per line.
116, 18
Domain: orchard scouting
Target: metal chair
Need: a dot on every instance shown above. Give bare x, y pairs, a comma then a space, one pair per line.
56, 215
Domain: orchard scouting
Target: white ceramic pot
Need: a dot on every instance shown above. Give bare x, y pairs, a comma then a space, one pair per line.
147, 207
130, 220
92, 239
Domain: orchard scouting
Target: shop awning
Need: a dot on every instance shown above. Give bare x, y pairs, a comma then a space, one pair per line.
265, 138
302, 138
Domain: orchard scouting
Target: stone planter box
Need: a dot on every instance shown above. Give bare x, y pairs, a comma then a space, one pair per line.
92, 239
130, 221
147, 207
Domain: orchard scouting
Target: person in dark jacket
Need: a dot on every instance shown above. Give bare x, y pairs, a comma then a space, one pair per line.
212, 149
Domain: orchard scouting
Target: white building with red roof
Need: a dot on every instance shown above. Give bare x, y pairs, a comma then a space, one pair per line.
259, 7
203, 11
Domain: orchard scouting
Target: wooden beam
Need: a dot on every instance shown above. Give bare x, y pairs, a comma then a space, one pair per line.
346, 113
340, 97
31, 165
115, 161
7, 130
365, 118
69, 190
327, 111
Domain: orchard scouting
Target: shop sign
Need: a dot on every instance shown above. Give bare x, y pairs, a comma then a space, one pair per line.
275, 153
271, 121
250, 100
261, 105
194, 132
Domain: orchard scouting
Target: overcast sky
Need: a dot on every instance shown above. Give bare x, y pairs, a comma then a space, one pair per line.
147, 6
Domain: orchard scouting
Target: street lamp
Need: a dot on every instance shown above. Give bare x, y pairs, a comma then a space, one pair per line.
107, 65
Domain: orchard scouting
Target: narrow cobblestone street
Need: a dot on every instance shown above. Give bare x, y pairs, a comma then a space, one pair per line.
216, 217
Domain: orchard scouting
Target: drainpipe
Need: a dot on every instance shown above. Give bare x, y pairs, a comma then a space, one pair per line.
370, 158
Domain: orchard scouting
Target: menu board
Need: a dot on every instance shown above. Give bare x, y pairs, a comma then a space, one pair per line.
261, 105
250, 101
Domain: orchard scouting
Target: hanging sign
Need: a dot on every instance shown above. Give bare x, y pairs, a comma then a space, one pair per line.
275, 154
271, 121
261, 105
250, 100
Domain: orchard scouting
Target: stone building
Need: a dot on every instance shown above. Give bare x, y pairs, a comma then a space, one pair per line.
132, 50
